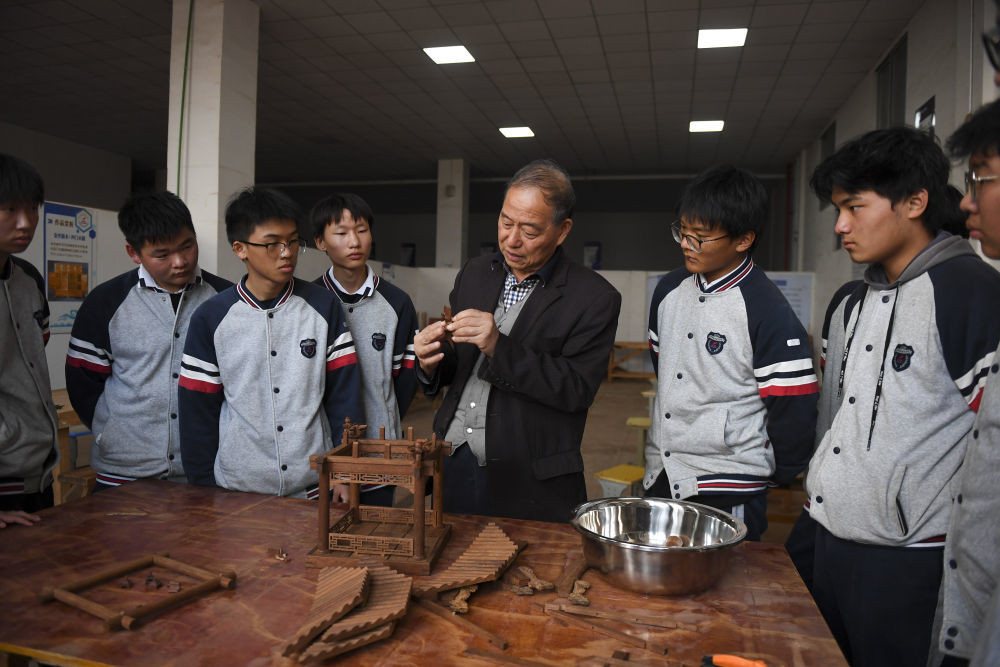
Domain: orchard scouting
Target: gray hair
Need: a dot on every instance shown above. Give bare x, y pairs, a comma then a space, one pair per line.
547, 176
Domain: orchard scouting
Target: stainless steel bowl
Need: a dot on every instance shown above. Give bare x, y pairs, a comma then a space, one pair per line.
627, 540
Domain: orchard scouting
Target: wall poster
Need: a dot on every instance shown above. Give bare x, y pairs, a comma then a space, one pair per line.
69, 260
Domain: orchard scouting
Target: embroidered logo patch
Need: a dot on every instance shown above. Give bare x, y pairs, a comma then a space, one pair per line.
378, 341
308, 347
715, 342
901, 357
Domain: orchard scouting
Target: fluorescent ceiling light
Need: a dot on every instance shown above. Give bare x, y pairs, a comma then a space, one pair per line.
516, 132
716, 39
706, 126
445, 55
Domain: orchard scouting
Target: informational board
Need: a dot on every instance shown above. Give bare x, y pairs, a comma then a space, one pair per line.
798, 289
68, 261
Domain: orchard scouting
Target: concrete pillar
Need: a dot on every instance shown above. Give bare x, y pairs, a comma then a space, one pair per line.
211, 155
452, 213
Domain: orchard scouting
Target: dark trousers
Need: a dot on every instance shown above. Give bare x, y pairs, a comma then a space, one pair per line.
754, 507
380, 497
801, 547
27, 502
465, 483
878, 601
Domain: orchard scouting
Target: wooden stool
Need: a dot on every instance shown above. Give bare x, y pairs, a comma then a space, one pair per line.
642, 425
77, 483
622, 480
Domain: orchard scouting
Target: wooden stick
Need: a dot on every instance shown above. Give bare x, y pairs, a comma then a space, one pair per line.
226, 579
323, 536
630, 616
605, 630
111, 618
465, 624
498, 658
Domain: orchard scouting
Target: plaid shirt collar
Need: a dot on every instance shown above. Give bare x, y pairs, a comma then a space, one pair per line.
514, 291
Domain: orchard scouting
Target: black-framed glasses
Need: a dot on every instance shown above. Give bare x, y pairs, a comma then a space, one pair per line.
694, 243
276, 248
991, 40
973, 180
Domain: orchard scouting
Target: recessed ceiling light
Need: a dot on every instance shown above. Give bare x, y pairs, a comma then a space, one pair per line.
445, 55
516, 132
706, 126
717, 39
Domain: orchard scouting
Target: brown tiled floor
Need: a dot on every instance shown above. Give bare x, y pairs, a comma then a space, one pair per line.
608, 442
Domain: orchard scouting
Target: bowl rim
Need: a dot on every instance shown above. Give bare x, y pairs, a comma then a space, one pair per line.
722, 515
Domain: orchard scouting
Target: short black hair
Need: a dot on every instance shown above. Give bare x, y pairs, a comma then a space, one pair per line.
894, 163
20, 183
979, 134
153, 217
728, 197
954, 217
253, 206
329, 209
553, 181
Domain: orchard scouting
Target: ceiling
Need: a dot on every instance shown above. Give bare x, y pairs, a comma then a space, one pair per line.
346, 94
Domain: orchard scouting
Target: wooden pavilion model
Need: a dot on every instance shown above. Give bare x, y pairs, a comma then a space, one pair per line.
409, 540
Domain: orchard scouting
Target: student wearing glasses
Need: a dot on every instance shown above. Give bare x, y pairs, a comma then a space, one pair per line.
907, 353
735, 406
269, 370
969, 594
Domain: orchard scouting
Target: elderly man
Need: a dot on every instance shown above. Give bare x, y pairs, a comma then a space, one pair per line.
524, 356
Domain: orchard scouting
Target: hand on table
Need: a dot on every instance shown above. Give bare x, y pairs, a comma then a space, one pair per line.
23, 518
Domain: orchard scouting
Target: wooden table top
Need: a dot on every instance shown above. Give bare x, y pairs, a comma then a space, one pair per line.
759, 609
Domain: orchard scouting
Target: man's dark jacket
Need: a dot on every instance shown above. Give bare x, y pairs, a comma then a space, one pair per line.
544, 377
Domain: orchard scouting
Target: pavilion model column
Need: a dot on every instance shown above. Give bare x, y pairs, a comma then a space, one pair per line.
452, 213
212, 116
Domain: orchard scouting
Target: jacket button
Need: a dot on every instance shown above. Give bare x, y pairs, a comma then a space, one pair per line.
175, 376
171, 457
270, 316
960, 499
680, 376
274, 353
350, 310
819, 499
949, 644
667, 415
284, 467
176, 335
836, 450
677, 495
851, 400
952, 631
690, 335
701, 299
975, 433
677, 487
868, 348
885, 299
953, 564
173, 415
276, 390
994, 368
280, 428
667, 454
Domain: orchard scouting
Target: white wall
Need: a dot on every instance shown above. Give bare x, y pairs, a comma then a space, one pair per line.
72, 172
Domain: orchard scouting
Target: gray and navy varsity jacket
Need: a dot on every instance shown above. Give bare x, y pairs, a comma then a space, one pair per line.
265, 385
28, 446
122, 367
904, 365
736, 392
383, 322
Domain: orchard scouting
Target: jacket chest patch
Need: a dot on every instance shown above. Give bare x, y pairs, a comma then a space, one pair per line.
378, 341
715, 342
901, 357
308, 347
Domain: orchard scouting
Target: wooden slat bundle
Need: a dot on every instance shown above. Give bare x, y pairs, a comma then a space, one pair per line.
485, 560
390, 593
328, 650
338, 590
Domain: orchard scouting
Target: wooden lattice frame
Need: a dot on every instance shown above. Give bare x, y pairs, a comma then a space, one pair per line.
115, 619
356, 461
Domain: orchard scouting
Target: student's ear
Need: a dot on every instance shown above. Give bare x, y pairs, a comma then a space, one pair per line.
240, 250
916, 204
320, 244
135, 256
745, 240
